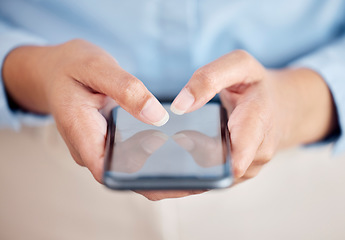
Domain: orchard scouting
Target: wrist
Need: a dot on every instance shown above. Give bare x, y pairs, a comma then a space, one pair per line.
22, 80
306, 104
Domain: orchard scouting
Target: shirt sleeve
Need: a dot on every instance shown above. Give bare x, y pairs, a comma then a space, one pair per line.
10, 38
329, 62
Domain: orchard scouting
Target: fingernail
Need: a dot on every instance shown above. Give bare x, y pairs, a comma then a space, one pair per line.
184, 141
154, 112
182, 102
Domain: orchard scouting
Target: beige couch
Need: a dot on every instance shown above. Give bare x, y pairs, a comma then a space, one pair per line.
45, 195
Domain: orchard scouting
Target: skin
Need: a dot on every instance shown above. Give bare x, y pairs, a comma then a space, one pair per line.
268, 109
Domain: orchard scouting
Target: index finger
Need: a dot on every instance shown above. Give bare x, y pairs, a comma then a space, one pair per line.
233, 68
100, 72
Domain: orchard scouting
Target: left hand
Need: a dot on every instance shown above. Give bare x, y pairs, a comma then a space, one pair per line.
268, 110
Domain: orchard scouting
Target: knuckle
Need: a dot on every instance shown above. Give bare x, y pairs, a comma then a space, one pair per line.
248, 176
264, 157
94, 61
207, 76
75, 45
252, 171
195, 192
262, 160
246, 59
239, 171
269, 153
76, 157
242, 54
131, 89
97, 173
78, 161
152, 197
77, 42
93, 162
86, 56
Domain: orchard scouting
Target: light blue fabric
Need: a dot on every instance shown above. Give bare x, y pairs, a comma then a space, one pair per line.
163, 42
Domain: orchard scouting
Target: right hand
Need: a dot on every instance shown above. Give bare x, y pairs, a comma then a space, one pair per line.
73, 82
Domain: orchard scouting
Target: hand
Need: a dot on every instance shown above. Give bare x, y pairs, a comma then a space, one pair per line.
74, 81
268, 109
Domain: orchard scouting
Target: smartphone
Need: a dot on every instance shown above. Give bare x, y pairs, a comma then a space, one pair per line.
190, 151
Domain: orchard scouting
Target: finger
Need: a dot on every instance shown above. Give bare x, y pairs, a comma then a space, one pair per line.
206, 151
83, 127
246, 135
228, 70
262, 157
86, 137
252, 171
159, 195
130, 155
265, 152
100, 72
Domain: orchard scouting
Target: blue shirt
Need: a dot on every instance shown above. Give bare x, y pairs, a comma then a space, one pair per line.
163, 42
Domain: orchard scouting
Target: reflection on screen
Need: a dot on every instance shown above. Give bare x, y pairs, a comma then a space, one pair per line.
189, 146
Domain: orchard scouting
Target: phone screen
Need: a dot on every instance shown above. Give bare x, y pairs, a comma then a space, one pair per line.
189, 151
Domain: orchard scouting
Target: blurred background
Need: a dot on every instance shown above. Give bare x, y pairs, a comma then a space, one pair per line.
300, 194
